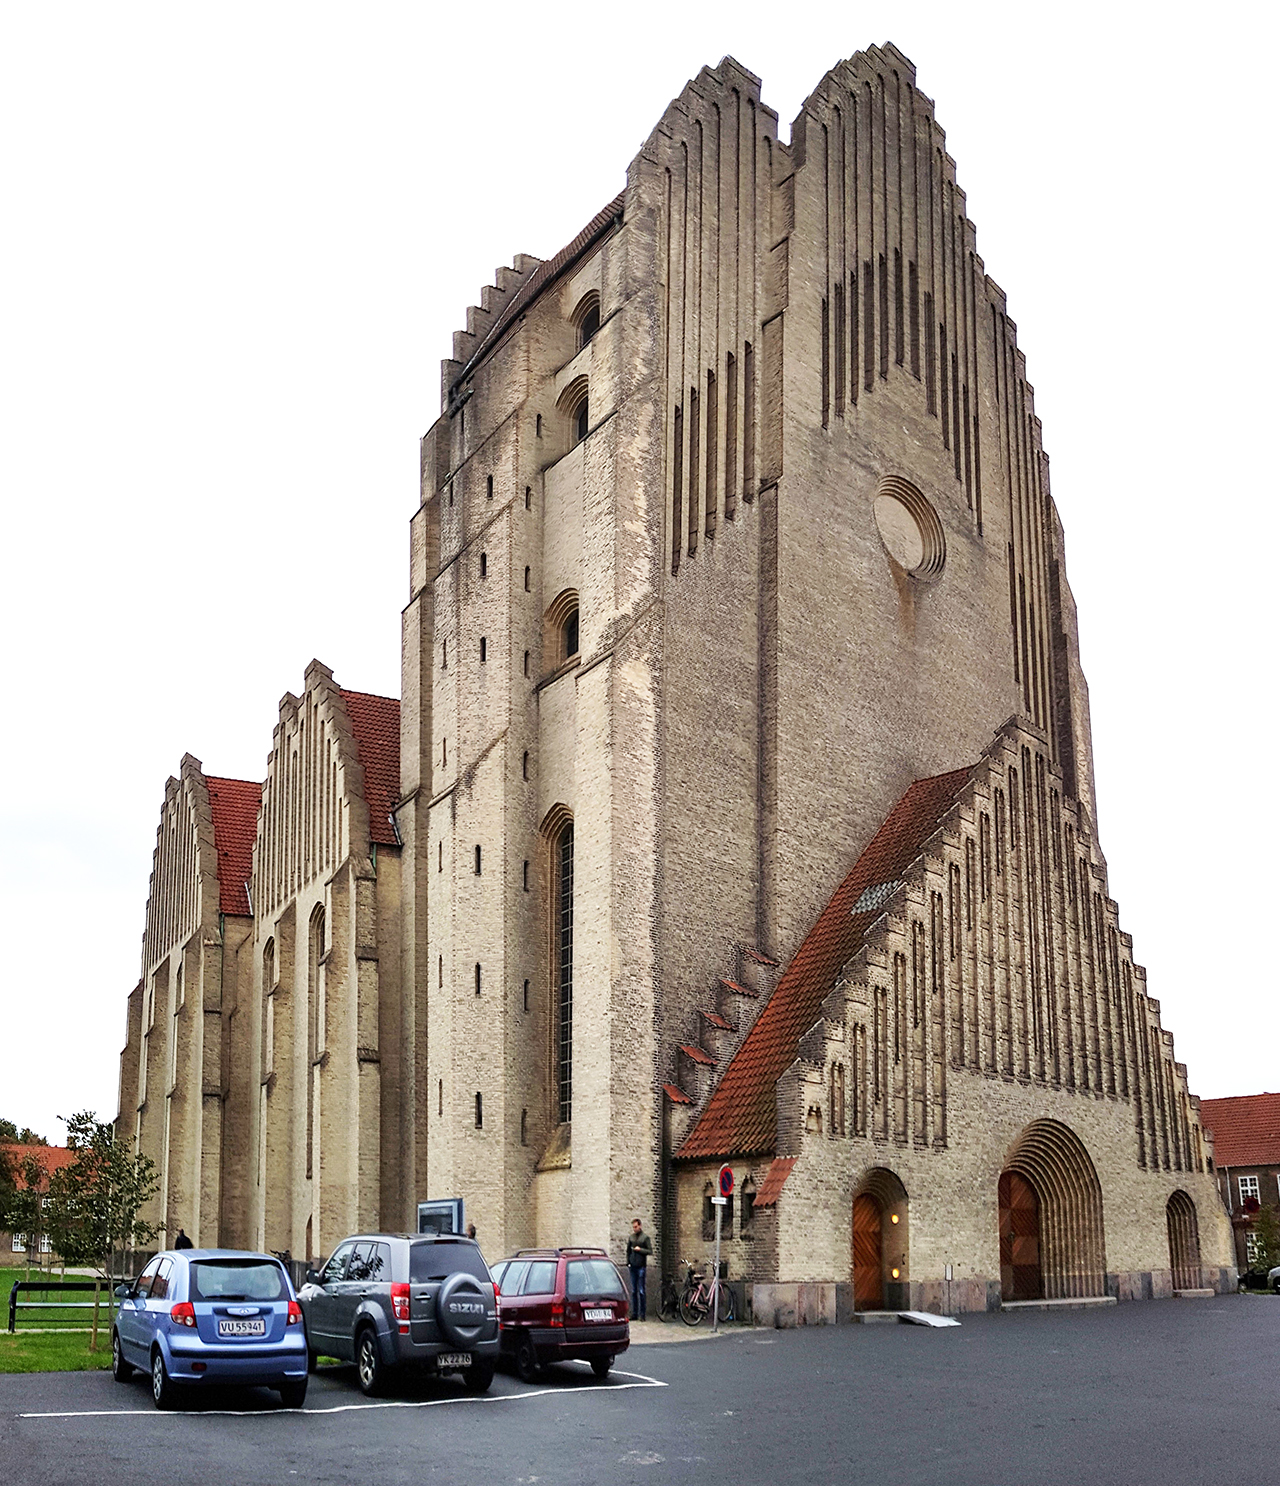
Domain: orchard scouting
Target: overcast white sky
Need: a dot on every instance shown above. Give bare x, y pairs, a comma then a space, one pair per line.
236, 242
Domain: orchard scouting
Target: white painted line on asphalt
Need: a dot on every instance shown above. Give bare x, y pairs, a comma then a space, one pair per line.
351, 1408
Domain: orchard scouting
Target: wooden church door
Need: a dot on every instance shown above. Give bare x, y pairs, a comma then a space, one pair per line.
868, 1260
1020, 1276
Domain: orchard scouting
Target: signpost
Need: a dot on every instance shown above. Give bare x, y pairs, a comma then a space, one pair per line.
725, 1183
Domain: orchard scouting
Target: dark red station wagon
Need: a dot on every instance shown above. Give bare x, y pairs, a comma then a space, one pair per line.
554, 1304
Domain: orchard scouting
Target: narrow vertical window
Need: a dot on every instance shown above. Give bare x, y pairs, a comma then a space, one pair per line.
695, 430
440, 973
484, 649
477, 861
526, 662
524, 1127
526, 995
677, 486
526, 877
883, 308
484, 564
837, 327
913, 312
711, 485
440, 849
537, 426
526, 580
444, 752
479, 1112
444, 655
524, 765
440, 1097
564, 971
748, 423
528, 498
730, 437
825, 332
489, 488
477, 977
899, 326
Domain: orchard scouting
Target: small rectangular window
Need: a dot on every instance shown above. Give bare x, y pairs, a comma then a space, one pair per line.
484, 649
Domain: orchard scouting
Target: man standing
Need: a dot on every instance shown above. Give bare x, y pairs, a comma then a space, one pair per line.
182, 1241
639, 1247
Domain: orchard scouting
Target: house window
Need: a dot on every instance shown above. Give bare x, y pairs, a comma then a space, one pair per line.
1252, 1249
708, 1212
19, 1243
1248, 1188
747, 1209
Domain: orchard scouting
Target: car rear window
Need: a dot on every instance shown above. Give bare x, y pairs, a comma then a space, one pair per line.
438, 1260
542, 1278
592, 1277
237, 1279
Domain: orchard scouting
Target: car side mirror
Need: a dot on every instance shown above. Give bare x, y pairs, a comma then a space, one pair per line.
312, 1277
123, 1292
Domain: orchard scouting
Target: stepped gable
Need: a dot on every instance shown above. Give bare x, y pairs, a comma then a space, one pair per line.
234, 804
1245, 1129
741, 1117
545, 274
375, 722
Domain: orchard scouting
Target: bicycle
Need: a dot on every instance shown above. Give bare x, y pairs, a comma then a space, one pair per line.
669, 1301
700, 1294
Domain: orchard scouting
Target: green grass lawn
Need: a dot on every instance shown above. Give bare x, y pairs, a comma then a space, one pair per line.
54, 1351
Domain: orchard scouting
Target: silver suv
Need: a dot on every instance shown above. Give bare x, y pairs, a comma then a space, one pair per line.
388, 1300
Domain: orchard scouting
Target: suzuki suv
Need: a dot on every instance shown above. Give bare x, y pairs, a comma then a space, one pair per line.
561, 1303
390, 1300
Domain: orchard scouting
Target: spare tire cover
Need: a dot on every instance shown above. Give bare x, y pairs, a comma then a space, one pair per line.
462, 1309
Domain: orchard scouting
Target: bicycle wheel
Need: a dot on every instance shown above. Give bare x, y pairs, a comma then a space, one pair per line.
670, 1299
724, 1304
693, 1306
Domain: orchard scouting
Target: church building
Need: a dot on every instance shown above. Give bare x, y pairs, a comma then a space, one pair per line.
742, 808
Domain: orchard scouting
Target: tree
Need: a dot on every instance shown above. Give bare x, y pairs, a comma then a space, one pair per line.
1266, 1238
8, 1185
94, 1200
26, 1211
11, 1135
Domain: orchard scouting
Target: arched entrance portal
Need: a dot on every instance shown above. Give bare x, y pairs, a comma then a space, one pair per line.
1184, 1241
1020, 1276
880, 1242
1058, 1198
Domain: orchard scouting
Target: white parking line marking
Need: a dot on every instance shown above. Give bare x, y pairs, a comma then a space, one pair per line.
350, 1408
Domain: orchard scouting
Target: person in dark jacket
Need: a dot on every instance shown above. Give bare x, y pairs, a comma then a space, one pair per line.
182, 1241
639, 1247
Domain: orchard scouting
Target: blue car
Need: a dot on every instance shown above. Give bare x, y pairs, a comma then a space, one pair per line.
202, 1316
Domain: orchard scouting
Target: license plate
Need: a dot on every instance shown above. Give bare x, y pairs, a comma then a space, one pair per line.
447, 1361
595, 1313
256, 1327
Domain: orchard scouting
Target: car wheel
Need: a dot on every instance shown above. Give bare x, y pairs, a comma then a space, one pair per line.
477, 1378
293, 1395
369, 1368
162, 1388
121, 1370
527, 1368
601, 1365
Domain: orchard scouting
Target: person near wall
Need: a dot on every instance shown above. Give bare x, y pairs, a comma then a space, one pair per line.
639, 1247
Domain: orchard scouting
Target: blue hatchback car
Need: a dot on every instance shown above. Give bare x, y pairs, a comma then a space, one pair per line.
211, 1316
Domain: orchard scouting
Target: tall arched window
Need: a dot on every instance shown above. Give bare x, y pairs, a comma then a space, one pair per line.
558, 828
315, 1021
267, 1064
586, 318
560, 631
573, 406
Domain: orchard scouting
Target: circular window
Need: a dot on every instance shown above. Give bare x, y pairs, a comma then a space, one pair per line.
909, 528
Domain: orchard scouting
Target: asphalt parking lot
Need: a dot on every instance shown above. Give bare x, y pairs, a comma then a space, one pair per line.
1173, 1392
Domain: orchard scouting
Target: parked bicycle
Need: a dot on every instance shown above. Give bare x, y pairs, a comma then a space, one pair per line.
701, 1294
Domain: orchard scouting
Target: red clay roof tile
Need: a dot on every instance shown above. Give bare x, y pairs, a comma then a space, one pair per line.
771, 1187
715, 1019
1246, 1129
677, 1096
698, 1056
741, 1117
732, 985
375, 721
234, 803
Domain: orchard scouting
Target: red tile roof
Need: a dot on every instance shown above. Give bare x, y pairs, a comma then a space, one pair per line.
375, 721
54, 1157
741, 1118
1246, 1129
234, 803
771, 1187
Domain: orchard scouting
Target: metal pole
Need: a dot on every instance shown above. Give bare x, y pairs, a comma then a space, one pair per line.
715, 1273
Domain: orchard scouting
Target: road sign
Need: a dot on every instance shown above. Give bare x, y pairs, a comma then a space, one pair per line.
719, 1201
726, 1181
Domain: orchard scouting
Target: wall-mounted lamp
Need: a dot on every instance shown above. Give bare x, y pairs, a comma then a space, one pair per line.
893, 1217
896, 1273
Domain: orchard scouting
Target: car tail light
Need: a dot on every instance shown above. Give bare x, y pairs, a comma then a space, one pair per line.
496, 1290
400, 1301
295, 1314
557, 1312
184, 1313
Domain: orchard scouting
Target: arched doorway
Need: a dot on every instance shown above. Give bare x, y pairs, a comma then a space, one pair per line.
1184, 1241
1059, 1186
1020, 1275
880, 1242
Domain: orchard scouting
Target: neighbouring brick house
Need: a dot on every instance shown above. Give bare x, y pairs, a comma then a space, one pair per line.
1246, 1147
745, 806
15, 1247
